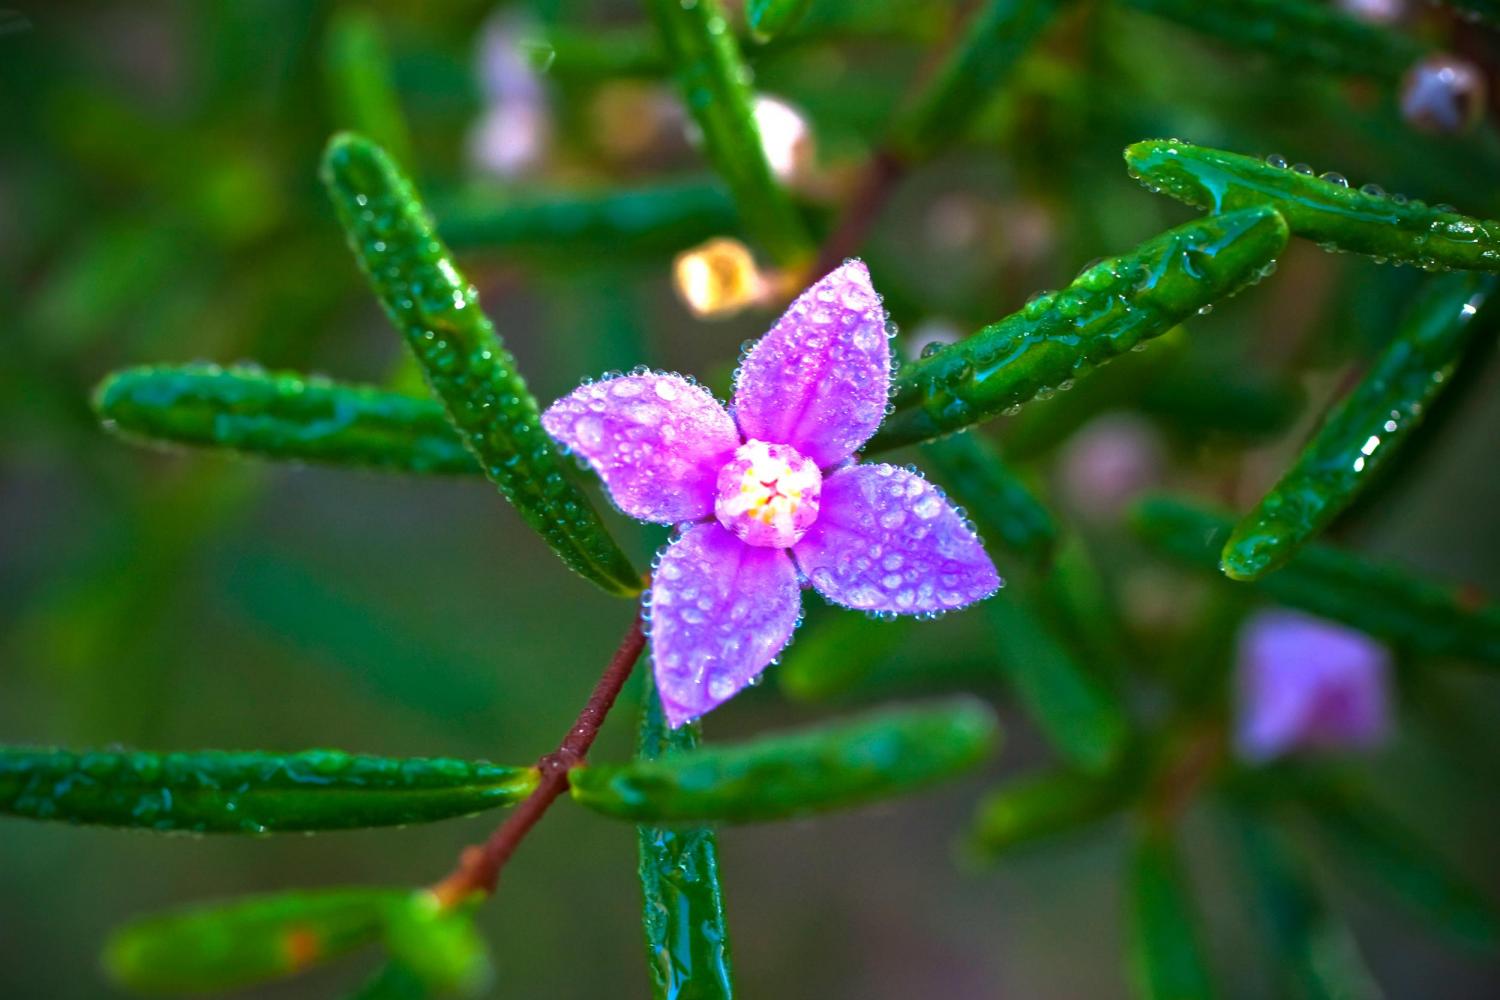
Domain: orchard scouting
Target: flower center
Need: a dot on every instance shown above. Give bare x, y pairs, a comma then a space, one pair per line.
768, 494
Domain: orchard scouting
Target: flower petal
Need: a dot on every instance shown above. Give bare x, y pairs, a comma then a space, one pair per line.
818, 380
887, 540
658, 441
720, 611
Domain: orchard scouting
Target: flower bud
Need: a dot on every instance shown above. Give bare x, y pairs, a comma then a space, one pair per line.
1443, 94
1309, 684
718, 278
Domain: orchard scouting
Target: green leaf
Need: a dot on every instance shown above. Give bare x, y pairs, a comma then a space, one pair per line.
282, 415
1042, 805
687, 932
769, 18
1324, 209
1079, 715
1365, 429
439, 946
392, 981
360, 81
1001, 504
1379, 599
464, 360
1297, 31
714, 80
614, 225
253, 792
997, 37
1108, 309
834, 655
1315, 954
1387, 853
825, 767
248, 941
1166, 959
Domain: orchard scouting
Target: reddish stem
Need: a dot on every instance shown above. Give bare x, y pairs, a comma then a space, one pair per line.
479, 867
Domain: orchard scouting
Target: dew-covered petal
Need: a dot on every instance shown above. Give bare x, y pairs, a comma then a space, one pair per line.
887, 540
657, 440
818, 380
720, 611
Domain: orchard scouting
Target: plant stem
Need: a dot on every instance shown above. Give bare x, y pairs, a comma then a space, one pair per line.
879, 180
479, 867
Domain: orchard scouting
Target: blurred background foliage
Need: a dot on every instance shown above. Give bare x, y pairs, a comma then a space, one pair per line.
159, 202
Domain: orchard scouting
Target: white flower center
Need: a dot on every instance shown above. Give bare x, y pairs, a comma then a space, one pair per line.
768, 494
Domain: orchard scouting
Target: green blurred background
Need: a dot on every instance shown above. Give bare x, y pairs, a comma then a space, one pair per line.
158, 202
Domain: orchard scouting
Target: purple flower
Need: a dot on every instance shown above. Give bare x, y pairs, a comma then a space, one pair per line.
1309, 684
768, 498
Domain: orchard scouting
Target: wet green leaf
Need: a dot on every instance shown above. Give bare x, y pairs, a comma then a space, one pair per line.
613, 225
832, 766
1042, 805
1365, 429
1110, 308
361, 87
1297, 31
244, 942
1387, 853
1166, 958
464, 360
1002, 505
1316, 957
687, 932
251, 792
996, 38
715, 85
1382, 600
1079, 715
1324, 209
769, 18
283, 416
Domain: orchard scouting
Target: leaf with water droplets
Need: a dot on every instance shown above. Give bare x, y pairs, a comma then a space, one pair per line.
1043, 805
465, 362
1166, 957
969, 78
715, 85
1080, 715
1366, 428
1383, 600
1003, 506
1113, 306
250, 792
282, 415
831, 766
687, 932
1297, 31
1364, 220
615, 226
247, 941
769, 18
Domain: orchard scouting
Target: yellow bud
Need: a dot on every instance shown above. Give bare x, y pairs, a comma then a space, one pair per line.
718, 278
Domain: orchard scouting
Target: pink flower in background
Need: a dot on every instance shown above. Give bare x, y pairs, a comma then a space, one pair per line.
1309, 684
769, 498
1108, 463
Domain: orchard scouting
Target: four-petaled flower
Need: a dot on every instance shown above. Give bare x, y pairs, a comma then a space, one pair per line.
774, 496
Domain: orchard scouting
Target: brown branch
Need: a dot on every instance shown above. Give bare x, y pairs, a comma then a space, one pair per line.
879, 180
479, 867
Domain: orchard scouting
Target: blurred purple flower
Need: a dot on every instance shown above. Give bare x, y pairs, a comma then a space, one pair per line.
1109, 462
1309, 684
515, 128
768, 498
